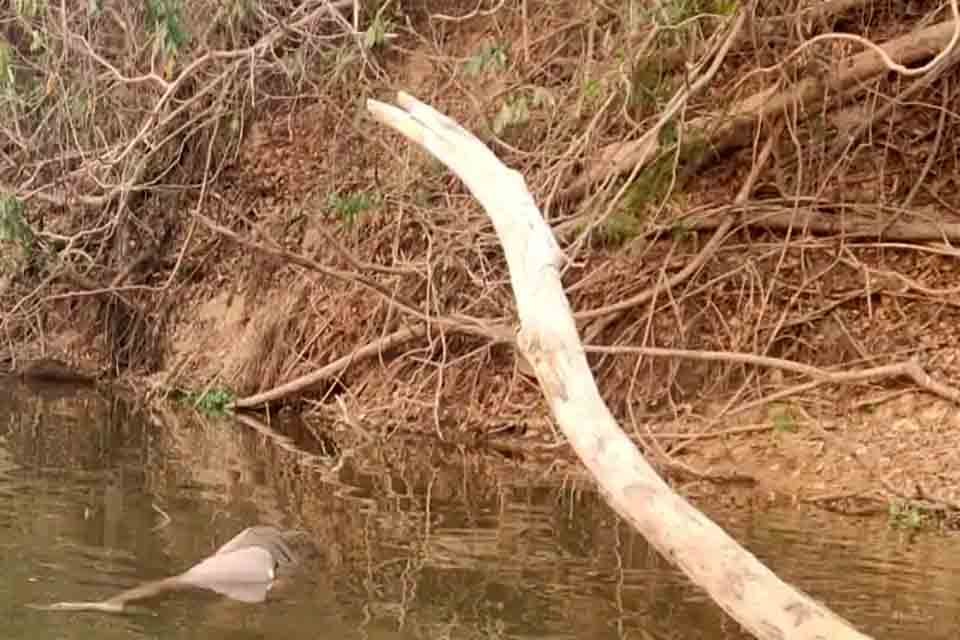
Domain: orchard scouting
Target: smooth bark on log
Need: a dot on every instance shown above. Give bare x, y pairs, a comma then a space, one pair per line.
746, 589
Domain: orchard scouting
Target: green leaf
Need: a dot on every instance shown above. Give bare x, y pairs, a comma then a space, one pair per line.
165, 18
512, 113
13, 226
16, 237
350, 207
592, 89
490, 58
725, 7
783, 421
6, 65
376, 33
679, 231
212, 402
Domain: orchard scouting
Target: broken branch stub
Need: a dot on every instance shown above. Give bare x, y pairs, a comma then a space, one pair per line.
745, 588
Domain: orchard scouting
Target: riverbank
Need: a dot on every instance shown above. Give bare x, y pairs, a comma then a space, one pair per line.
399, 538
751, 287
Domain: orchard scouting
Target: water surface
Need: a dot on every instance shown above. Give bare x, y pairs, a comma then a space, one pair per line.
413, 540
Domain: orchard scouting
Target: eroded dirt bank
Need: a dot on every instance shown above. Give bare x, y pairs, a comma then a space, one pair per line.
816, 238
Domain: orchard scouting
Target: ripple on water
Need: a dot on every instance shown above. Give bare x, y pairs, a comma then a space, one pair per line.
410, 546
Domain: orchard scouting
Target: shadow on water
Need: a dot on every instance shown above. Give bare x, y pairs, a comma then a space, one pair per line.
411, 541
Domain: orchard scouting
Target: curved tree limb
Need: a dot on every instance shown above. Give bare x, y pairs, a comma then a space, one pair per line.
492, 330
385, 343
744, 587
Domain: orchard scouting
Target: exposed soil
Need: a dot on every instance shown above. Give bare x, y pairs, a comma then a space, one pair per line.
316, 177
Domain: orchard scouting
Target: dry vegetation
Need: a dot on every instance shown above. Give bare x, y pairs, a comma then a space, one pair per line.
200, 203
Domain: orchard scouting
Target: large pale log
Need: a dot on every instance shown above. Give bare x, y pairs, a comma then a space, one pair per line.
738, 582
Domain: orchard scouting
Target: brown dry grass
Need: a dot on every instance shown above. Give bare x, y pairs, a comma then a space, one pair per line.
786, 279
817, 299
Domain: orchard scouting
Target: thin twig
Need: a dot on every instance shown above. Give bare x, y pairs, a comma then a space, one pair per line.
910, 370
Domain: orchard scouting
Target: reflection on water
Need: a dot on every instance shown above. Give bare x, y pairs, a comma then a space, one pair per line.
411, 540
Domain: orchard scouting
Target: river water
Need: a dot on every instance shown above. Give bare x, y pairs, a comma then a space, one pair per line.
410, 540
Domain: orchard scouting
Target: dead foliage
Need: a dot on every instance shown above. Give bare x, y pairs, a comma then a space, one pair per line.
635, 128
116, 120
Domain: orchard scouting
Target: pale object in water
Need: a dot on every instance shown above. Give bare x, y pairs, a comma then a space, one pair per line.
243, 569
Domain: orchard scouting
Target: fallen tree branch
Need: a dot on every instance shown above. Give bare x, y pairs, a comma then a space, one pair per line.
303, 261
385, 343
492, 329
732, 129
817, 12
745, 588
848, 224
737, 122
909, 369
885, 57
496, 331
844, 143
719, 235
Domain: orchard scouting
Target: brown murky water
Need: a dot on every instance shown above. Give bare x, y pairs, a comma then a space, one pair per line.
412, 541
